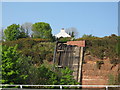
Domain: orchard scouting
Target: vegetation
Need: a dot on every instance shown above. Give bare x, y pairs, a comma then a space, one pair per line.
10, 71
20, 70
42, 30
111, 80
106, 47
27, 64
33, 48
12, 32
28, 60
38, 30
65, 39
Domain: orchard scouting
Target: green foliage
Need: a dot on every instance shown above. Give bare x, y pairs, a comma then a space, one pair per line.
65, 77
12, 32
87, 36
65, 39
27, 70
42, 30
23, 35
46, 76
102, 47
24, 42
9, 59
111, 80
10, 69
118, 47
38, 49
19, 69
118, 78
114, 61
58, 77
43, 51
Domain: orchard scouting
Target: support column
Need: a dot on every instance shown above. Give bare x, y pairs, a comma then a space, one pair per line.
80, 65
54, 56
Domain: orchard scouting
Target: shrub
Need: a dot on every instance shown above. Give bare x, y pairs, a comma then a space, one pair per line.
102, 47
111, 80
114, 61
11, 73
64, 39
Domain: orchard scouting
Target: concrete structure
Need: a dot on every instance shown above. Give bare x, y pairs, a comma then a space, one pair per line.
62, 34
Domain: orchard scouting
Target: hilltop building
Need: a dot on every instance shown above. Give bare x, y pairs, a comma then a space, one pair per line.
62, 34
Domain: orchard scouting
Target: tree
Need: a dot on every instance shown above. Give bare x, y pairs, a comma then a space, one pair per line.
87, 36
16, 68
27, 28
9, 67
57, 77
42, 30
12, 32
23, 35
66, 77
72, 31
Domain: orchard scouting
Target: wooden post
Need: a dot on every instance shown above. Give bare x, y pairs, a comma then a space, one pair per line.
80, 66
54, 56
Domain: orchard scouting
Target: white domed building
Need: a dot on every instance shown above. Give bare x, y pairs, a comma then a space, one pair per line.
62, 34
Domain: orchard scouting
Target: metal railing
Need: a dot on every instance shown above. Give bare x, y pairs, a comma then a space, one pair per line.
61, 86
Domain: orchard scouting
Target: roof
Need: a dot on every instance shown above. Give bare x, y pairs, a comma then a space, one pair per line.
62, 34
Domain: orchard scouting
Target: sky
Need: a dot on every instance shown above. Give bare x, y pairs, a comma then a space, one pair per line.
97, 18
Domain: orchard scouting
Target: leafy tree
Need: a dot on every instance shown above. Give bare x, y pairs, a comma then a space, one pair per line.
46, 76
66, 77
12, 32
23, 35
11, 71
57, 77
9, 59
87, 36
42, 30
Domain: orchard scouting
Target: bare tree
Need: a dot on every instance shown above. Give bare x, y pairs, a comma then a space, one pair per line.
1, 34
72, 31
27, 28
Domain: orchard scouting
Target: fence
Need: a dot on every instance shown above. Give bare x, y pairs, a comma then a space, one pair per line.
61, 86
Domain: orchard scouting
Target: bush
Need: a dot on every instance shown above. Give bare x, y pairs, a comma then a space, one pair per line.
114, 61
111, 80
37, 49
11, 73
64, 39
102, 47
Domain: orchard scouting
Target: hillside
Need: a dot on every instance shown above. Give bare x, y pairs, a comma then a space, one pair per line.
100, 54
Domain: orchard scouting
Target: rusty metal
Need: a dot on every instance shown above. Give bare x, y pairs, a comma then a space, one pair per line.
77, 43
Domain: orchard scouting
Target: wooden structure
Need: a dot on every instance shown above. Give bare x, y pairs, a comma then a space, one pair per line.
70, 54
